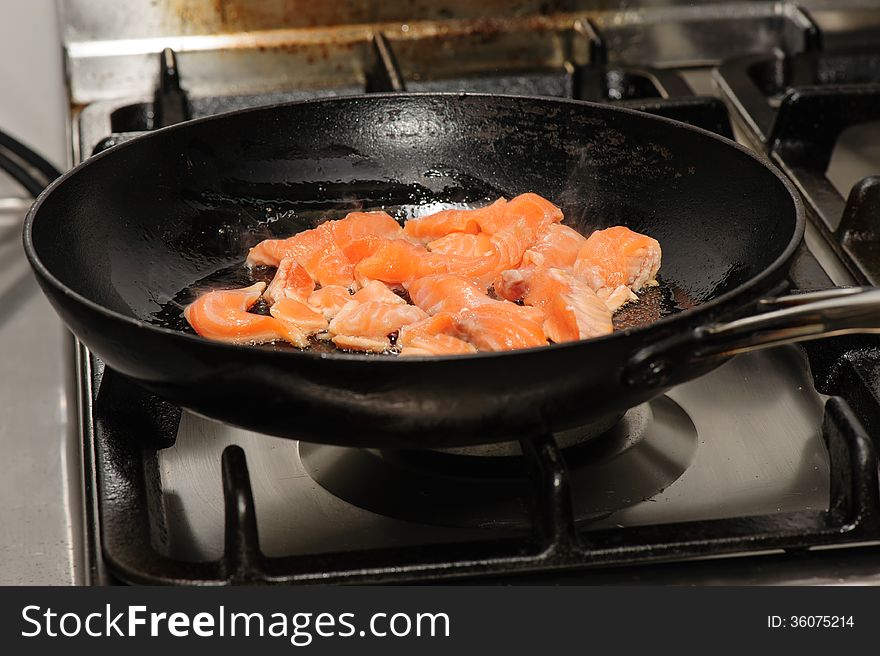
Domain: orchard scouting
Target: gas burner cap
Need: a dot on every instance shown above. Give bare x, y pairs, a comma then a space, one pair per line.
610, 468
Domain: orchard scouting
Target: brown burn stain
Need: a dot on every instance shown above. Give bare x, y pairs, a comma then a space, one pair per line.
229, 16
450, 29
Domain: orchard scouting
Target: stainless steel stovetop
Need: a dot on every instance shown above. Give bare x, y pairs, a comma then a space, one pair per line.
40, 489
744, 440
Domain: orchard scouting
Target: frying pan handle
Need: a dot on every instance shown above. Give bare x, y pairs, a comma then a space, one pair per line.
788, 319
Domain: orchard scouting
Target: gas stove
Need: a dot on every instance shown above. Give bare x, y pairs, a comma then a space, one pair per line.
772, 458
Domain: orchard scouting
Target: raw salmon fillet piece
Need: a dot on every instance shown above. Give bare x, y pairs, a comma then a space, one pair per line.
572, 310
508, 245
433, 336
357, 225
301, 247
446, 293
431, 227
297, 321
557, 247
437, 345
463, 245
531, 208
329, 300
617, 297
222, 315
488, 324
315, 250
366, 326
451, 293
393, 262
492, 327
320, 250
618, 256
375, 291
512, 243
507, 248
397, 262
291, 281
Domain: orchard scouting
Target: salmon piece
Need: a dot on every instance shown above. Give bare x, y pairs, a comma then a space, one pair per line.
428, 228
297, 320
536, 210
463, 244
301, 247
375, 291
397, 262
333, 268
446, 293
357, 225
366, 326
468, 313
513, 285
291, 281
308, 246
556, 247
493, 327
437, 345
357, 343
500, 215
433, 336
361, 249
478, 269
617, 297
442, 323
509, 246
222, 315
329, 300
618, 256
320, 251
486, 323
512, 243
531, 208
572, 309
394, 262
315, 250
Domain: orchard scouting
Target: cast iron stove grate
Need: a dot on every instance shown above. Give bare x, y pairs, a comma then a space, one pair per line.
125, 427
795, 107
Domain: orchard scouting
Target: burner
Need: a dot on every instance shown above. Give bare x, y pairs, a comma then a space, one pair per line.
564, 439
611, 467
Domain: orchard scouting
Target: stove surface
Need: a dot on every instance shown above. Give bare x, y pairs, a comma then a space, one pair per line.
40, 487
751, 449
757, 450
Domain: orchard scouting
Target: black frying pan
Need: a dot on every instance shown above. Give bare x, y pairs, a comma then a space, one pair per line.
115, 241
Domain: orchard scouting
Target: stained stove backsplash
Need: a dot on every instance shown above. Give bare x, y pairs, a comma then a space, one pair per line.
236, 47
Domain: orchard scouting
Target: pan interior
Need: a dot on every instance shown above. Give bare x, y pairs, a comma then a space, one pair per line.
140, 229
654, 303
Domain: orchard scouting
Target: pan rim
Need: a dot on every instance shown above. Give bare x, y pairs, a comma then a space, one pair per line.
296, 354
